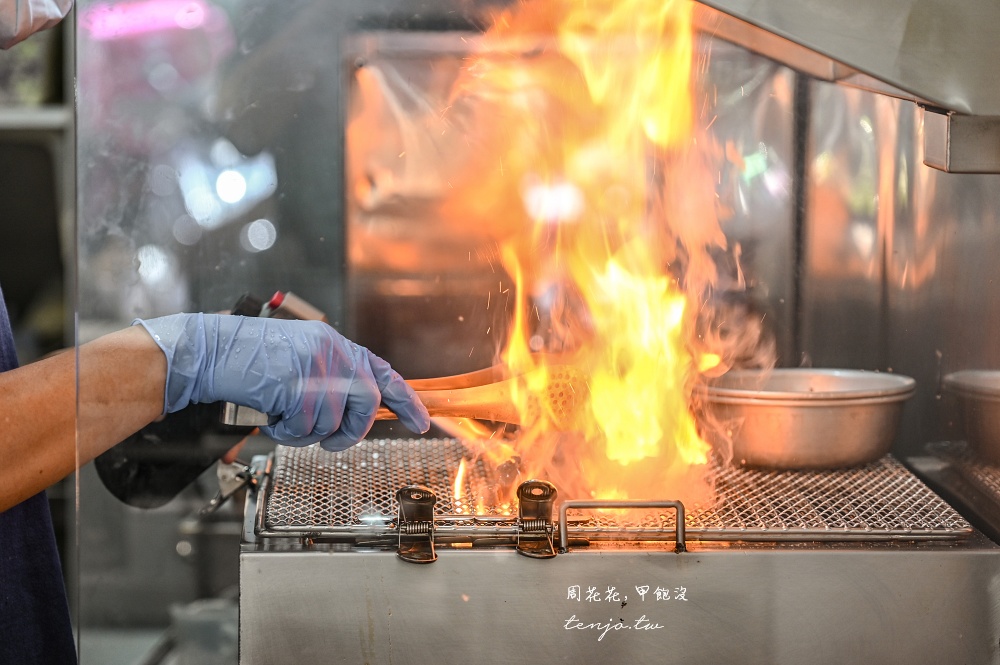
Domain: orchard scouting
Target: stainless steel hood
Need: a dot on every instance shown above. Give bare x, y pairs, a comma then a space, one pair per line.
939, 54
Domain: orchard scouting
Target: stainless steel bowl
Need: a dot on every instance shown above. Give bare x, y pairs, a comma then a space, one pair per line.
805, 418
978, 397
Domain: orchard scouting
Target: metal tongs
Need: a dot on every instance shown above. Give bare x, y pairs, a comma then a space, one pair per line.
486, 394
437, 390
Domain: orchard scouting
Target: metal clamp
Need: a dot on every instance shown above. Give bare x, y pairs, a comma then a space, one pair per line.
416, 524
535, 499
580, 505
232, 478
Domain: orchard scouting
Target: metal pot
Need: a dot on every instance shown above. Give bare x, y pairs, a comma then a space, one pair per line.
805, 418
978, 393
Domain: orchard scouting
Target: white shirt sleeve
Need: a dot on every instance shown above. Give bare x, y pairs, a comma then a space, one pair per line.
20, 19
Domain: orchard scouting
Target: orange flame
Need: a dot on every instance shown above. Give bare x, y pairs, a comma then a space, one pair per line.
458, 491
571, 142
601, 194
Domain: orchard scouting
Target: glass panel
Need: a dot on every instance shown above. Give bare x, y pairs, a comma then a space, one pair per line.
239, 148
210, 166
358, 155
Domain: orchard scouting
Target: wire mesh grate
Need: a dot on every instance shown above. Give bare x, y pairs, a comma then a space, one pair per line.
879, 497
314, 491
315, 488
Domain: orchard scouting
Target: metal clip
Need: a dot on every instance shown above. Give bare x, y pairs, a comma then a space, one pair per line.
232, 478
416, 524
535, 499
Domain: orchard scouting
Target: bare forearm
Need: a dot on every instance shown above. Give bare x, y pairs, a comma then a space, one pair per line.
121, 383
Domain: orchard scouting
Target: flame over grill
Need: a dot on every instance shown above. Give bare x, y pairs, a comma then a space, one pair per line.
601, 181
576, 139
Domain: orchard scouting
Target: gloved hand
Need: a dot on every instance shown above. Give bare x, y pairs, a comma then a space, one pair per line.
314, 383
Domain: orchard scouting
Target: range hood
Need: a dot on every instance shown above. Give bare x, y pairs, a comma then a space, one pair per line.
939, 54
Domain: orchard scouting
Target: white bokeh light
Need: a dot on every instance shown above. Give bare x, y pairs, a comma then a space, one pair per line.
224, 154
258, 236
186, 230
190, 16
231, 186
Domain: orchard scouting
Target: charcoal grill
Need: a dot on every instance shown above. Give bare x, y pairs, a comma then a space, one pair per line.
827, 552
311, 493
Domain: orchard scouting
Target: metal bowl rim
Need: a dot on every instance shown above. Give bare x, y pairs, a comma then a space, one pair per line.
964, 382
899, 388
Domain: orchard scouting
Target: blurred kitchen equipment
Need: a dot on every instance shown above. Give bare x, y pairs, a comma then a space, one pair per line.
29, 73
287, 305
806, 418
155, 464
205, 631
978, 396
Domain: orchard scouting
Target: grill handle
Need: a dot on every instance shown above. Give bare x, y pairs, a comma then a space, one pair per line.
617, 505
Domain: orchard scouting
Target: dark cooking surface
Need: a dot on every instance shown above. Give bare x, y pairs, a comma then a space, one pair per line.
313, 492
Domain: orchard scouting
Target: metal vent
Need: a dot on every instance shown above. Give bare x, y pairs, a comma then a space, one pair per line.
313, 492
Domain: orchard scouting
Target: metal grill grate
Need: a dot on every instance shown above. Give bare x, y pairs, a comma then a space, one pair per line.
314, 488
314, 492
878, 500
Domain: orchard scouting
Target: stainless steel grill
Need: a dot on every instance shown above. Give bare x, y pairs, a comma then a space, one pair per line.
311, 492
881, 500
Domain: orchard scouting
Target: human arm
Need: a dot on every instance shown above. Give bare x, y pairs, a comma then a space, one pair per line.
317, 385
122, 376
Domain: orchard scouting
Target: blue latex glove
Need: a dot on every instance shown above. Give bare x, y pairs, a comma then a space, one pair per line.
314, 383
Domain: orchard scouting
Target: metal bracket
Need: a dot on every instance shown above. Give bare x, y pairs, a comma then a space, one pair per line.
232, 478
957, 143
416, 524
535, 499
679, 547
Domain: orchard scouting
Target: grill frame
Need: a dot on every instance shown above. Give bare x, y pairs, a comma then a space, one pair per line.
881, 501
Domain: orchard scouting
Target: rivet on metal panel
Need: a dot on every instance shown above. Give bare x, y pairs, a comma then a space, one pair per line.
535, 499
416, 524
